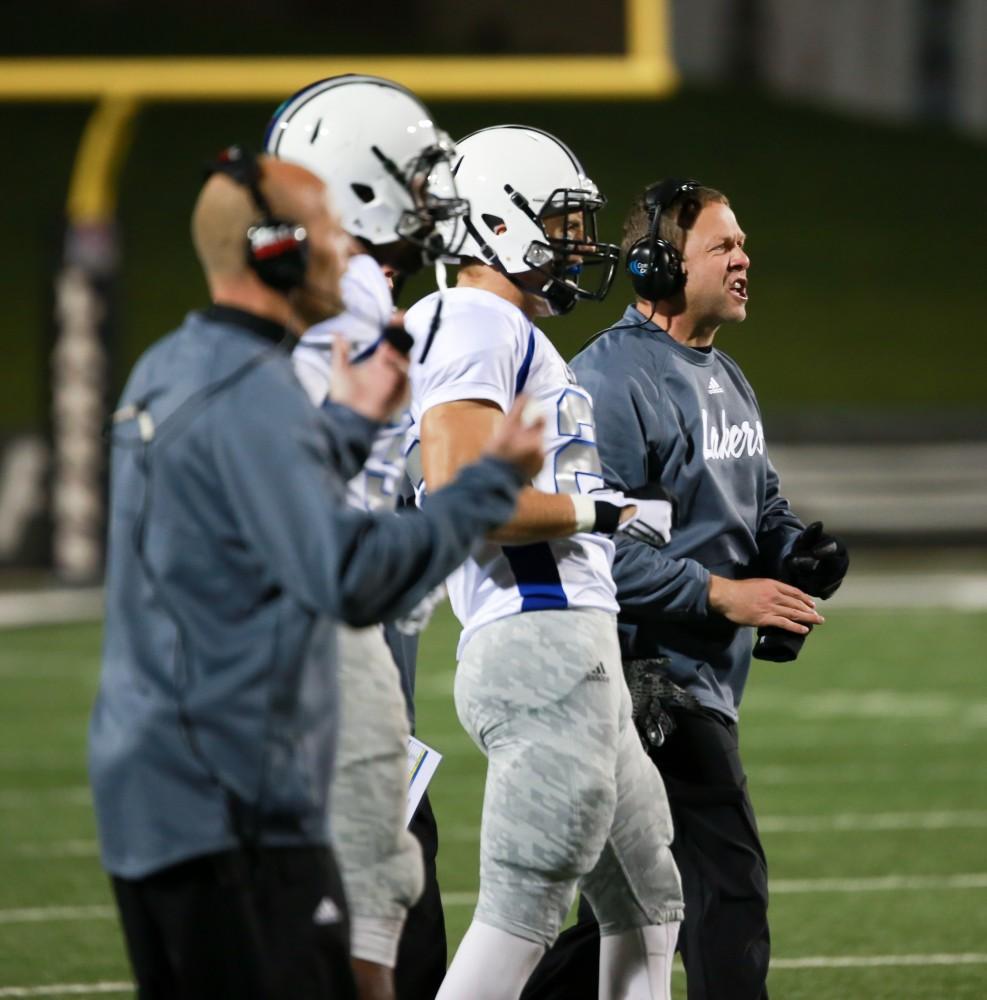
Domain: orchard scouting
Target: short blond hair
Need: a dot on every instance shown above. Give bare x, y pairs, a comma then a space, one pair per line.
677, 217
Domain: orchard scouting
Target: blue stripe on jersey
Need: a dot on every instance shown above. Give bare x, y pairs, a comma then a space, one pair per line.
522, 375
366, 352
537, 577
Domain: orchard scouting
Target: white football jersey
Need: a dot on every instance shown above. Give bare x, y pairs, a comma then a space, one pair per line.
488, 349
369, 307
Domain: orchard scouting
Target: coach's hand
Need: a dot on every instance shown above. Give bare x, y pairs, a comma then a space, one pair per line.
375, 388
519, 439
763, 602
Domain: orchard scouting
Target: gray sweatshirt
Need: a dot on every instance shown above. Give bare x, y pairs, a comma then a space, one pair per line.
687, 421
231, 552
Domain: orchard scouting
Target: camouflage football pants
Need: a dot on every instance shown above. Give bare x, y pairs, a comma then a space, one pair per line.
380, 861
571, 798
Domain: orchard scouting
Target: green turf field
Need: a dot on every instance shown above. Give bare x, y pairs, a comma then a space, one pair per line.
866, 761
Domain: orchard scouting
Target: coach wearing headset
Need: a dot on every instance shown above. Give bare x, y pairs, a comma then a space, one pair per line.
676, 416
231, 552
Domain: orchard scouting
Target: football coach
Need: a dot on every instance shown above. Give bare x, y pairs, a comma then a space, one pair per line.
675, 416
231, 553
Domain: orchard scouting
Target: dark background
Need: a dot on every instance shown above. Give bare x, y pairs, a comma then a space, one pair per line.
311, 27
867, 240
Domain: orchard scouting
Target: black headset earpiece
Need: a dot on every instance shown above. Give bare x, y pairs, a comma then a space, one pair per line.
276, 250
654, 265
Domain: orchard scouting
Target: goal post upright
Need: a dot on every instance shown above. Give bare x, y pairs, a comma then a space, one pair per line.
80, 375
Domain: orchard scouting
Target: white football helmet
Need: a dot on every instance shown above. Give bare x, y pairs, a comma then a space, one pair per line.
515, 178
375, 145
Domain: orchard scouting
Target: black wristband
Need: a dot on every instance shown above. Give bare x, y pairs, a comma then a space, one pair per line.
607, 518
399, 338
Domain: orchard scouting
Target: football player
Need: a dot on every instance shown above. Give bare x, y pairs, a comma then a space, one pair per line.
571, 798
388, 166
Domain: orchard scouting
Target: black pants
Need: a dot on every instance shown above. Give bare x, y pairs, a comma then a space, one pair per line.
724, 939
421, 963
267, 925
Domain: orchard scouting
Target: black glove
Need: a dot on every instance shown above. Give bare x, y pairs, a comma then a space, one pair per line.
653, 699
399, 338
778, 644
816, 564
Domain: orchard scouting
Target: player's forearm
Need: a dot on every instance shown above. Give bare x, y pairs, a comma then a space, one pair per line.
390, 562
539, 517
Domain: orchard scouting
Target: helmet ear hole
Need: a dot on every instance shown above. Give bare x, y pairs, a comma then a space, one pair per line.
364, 192
494, 223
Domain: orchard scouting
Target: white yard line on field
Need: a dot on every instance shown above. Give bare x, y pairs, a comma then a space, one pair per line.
782, 737
853, 822
46, 914
39, 759
808, 962
875, 961
76, 795
880, 883
887, 591
875, 703
46, 607
794, 887
65, 989
782, 887
58, 849
837, 823
870, 774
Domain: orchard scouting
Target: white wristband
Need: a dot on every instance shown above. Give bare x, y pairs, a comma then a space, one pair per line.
585, 508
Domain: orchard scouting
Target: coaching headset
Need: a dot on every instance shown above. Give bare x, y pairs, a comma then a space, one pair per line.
276, 250
654, 265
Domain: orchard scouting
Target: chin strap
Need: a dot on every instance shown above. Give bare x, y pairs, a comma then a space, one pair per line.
441, 279
558, 305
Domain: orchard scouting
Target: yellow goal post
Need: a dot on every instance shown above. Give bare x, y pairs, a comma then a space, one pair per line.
120, 86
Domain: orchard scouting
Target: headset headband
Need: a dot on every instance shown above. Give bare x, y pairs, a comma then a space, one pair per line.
243, 167
276, 249
660, 196
654, 265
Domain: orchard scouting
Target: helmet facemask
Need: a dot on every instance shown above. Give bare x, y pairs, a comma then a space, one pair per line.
435, 206
571, 252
